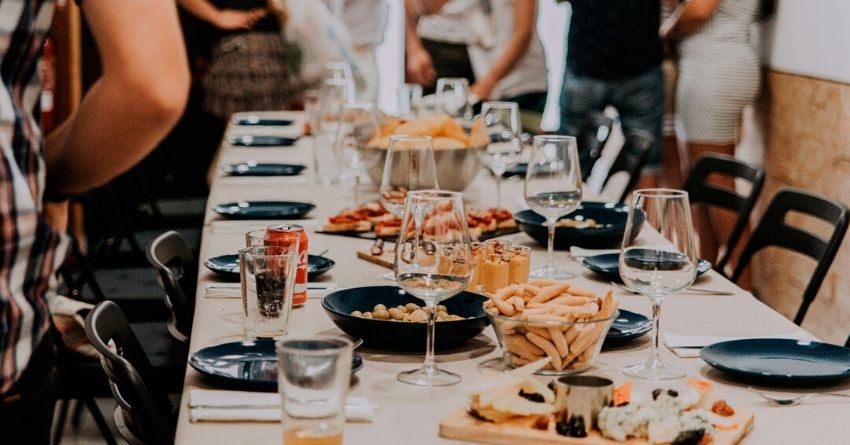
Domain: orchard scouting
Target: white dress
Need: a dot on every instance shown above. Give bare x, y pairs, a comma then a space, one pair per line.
719, 74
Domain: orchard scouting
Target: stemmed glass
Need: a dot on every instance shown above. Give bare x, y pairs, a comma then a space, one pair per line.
553, 189
504, 150
358, 126
433, 262
453, 97
333, 95
409, 166
410, 99
658, 257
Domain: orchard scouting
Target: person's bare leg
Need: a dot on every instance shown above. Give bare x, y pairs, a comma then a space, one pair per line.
671, 167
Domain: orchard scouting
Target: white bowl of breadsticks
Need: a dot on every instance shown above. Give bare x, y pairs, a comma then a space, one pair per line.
554, 319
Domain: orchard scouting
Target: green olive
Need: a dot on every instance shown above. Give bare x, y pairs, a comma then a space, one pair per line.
411, 307
396, 314
381, 314
357, 314
379, 307
419, 316
367, 315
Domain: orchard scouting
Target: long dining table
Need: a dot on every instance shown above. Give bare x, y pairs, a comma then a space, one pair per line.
411, 414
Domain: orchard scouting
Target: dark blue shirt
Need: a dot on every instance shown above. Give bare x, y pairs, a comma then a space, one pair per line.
614, 39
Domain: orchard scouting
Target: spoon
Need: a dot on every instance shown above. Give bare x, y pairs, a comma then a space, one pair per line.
794, 400
694, 290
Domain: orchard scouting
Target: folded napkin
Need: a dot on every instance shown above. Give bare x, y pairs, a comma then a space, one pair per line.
234, 290
688, 346
241, 406
580, 252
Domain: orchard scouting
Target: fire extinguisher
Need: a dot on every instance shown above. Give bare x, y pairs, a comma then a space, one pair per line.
48, 83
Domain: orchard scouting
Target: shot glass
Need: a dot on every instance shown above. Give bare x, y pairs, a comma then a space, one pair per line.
267, 276
579, 398
313, 376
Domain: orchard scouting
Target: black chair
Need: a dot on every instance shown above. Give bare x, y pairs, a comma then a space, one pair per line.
591, 138
631, 159
176, 269
144, 413
700, 191
773, 230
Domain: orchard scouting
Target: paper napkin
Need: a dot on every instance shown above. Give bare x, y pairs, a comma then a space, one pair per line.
241, 406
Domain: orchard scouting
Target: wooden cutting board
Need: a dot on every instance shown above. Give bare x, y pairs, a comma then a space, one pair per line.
385, 259
461, 426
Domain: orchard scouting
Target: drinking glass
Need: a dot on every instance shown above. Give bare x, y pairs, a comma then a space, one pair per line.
337, 70
357, 144
658, 257
433, 262
267, 276
504, 150
313, 376
409, 166
333, 95
453, 97
553, 189
410, 99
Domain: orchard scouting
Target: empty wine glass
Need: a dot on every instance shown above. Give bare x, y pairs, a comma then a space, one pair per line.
357, 145
410, 99
658, 257
453, 97
433, 262
553, 189
333, 95
409, 166
504, 150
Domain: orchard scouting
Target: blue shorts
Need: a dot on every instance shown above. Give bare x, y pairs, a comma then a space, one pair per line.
639, 101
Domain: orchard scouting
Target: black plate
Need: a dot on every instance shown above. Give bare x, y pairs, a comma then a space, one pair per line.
264, 121
779, 361
517, 170
398, 335
252, 168
248, 140
246, 364
612, 216
628, 326
608, 266
227, 266
263, 209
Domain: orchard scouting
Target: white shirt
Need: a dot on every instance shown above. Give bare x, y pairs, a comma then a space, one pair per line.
365, 19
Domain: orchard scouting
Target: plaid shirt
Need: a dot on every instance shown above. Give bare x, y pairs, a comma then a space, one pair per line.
30, 250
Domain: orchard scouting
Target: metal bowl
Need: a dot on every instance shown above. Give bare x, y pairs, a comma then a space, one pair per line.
456, 168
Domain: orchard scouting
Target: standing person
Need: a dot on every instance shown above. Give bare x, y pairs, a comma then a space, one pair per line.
138, 98
492, 43
719, 75
614, 58
366, 21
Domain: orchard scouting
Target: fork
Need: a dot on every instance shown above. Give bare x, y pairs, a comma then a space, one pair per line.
695, 290
794, 400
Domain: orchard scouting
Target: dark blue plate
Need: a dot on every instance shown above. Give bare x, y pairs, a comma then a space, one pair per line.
227, 266
779, 361
264, 121
263, 209
246, 364
628, 326
517, 170
611, 215
253, 168
248, 140
608, 266
400, 335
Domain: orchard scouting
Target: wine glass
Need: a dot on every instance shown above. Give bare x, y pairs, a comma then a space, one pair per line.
410, 99
333, 95
453, 97
409, 166
433, 262
357, 145
504, 150
553, 189
658, 257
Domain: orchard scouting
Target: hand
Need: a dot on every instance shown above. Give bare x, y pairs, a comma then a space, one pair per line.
481, 89
420, 68
232, 19
57, 215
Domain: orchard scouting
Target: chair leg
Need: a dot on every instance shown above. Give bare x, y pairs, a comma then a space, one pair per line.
60, 421
105, 431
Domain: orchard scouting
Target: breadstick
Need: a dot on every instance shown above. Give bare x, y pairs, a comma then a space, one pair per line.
518, 303
530, 289
549, 293
548, 347
577, 311
582, 342
581, 292
542, 282
520, 345
559, 341
569, 300
519, 361
607, 307
541, 331
571, 334
545, 318
507, 292
504, 307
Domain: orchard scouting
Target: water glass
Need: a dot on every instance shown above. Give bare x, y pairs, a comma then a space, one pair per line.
337, 70
658, 257
334, 94
453, 97
504, 149
267, 275
410, 99
313, 376
357, 144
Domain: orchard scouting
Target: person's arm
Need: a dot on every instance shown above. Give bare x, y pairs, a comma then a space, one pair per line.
688, 17
525, 18
418, 64
228, 19
139, 97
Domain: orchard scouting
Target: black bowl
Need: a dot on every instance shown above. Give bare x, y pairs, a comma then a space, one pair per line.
401, 335
611, 215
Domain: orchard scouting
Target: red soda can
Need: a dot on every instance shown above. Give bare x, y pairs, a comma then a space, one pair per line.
285, 235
